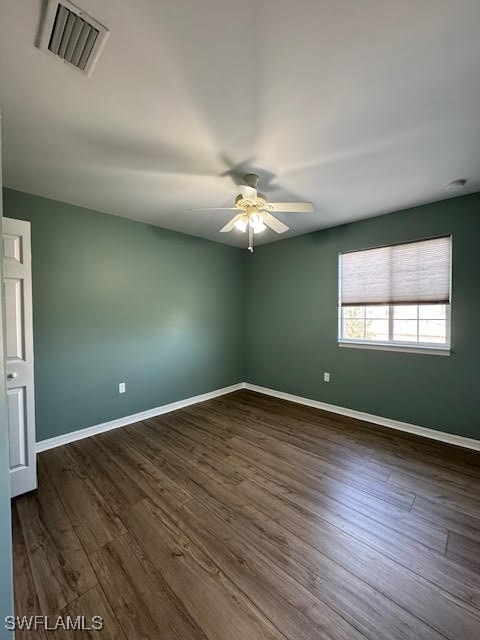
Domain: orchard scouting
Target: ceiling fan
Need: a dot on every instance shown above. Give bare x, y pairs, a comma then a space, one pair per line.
255, 212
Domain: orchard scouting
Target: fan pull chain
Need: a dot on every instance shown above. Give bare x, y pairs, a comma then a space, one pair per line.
250, 238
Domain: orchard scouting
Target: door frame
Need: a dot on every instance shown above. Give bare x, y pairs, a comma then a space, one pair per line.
6, 570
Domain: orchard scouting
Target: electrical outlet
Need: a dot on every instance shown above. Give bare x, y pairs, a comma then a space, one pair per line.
326, 376
122, 387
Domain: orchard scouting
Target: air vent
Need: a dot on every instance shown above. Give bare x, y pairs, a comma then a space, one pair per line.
71, 35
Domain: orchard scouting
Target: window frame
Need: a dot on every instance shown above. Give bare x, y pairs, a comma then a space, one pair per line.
395, 345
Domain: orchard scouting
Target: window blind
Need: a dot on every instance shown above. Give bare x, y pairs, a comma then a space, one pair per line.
412, 273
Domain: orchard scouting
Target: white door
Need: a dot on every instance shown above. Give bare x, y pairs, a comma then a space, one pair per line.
17, 283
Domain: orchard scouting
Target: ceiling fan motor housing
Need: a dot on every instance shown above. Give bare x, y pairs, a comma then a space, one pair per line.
242, 203
251, 179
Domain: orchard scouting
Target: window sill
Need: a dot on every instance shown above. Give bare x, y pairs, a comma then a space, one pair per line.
379, 346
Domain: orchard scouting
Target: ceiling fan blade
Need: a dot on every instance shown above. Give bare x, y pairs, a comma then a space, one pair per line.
214, 209
249, 193
273, 223
229, 226
291, 207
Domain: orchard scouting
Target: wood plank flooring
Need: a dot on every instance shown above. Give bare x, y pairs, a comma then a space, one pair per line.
248, 517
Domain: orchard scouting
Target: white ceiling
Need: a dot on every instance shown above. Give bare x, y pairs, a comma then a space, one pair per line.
362, 107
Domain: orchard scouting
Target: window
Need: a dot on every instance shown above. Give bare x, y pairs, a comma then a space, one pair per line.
397, 296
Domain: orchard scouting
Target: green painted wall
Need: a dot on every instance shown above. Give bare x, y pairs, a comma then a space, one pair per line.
174, 316
120, 301
291, 333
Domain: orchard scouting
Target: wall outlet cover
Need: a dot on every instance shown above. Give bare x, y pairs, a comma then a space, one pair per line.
326, 377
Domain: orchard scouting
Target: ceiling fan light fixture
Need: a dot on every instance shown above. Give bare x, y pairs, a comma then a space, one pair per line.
256, 222
241, 224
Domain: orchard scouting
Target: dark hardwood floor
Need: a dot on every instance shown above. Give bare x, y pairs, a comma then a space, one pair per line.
248, 518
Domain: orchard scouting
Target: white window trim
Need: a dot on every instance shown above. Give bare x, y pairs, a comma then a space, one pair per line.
409, 347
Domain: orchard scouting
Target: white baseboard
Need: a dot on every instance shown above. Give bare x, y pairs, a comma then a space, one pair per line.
433, 434
66, 438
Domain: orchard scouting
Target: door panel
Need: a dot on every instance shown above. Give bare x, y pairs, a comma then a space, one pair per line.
14, 326
18, 436
12, 247
17, 283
